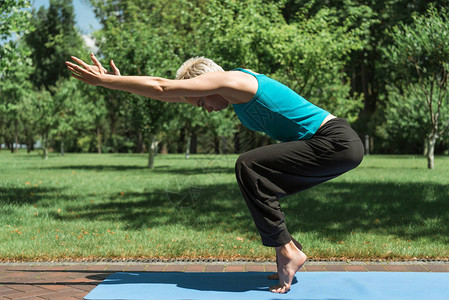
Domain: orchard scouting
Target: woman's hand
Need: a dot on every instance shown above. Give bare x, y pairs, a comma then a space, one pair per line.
91, 74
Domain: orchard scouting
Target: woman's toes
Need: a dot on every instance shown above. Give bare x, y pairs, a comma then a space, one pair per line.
279, 289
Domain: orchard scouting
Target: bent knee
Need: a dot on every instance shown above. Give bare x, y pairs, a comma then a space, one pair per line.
355, 155
244, 159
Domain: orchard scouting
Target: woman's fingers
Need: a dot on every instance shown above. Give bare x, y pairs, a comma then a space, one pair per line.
80, 62
114, 68
73, 71
75, 68
97, 63
79, 78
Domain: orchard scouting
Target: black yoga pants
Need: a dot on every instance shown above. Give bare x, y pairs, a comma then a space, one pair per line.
269, 173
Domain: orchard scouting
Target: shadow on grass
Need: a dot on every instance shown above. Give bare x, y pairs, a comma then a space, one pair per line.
407, 210
22, 196
157, 169
197, 165
334, 209
97, 168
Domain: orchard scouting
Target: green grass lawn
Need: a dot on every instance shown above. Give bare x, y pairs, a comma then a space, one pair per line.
111, 206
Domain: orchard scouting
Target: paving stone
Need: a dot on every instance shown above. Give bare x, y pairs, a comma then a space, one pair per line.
83, 287
81, 280
396, 268
116, 268
416, 268
54, 287
136, 268
436, 268
23, 287
63, 295
21, 295
214, 268
235, 268
77, 268
356, 269
376, 268
156, 268
335, 268
174, 268
194, 268
20, 275
2, 268
39, 268
271, 268
254, 268
65, 298
7, 291
314, 268
97, 268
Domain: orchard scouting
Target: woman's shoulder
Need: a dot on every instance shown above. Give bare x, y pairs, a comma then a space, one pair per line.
246, 71
243, 87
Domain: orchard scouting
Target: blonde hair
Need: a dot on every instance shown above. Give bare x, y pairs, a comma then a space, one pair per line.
196, 66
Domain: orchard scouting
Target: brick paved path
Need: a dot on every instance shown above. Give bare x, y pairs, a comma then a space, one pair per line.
76, 280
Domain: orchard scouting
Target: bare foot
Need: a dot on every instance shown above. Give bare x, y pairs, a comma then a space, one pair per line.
275, 276
290, 260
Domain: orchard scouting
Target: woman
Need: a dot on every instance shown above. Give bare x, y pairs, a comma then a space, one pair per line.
316, 146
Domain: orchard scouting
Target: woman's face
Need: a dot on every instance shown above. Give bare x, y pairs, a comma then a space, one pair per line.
209, 103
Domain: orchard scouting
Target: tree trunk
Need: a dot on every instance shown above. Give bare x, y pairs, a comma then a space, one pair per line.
431, 150
98, 139
44, 148
139, 142
366, 144
426, 147
16, 137
182, 134
224, 149
189, 140
164, 149
62, 148
237, 141
194, 143
30, 144
151, 152
216, 144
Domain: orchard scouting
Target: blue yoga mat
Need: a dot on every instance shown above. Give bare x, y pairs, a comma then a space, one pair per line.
254, 285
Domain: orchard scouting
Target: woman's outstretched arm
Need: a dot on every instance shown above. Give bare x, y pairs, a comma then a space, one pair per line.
153, 87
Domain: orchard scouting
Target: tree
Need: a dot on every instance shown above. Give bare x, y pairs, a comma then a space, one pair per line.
401, 129
15, 66
14, 20
42, 117
368, 70
14, 17
421, 54
309, 54
14, 89
73, 113
151, 38
52, 43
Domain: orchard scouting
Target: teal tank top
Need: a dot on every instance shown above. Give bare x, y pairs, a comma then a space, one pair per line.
279, 112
